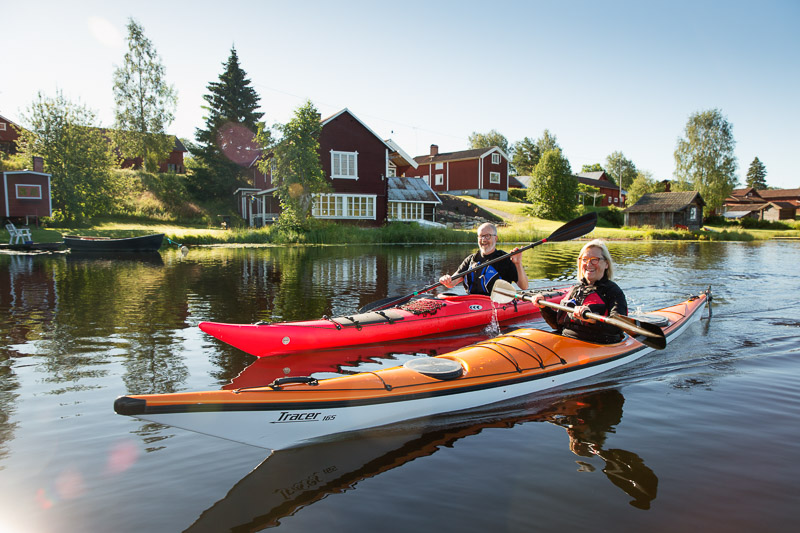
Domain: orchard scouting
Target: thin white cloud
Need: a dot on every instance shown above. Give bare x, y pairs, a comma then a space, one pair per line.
105, 32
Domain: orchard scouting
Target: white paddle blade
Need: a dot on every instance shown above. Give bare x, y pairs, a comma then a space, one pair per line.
503, 292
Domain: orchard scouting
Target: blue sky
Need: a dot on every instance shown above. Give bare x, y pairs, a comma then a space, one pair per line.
602, 76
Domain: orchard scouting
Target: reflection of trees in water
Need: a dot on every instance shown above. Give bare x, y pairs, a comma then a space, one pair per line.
8, 405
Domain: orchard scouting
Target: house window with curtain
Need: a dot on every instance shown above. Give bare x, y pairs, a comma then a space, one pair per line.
344, 165
439, 179
494, 177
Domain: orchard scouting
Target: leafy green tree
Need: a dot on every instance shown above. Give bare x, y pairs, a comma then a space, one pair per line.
547, 142
553, 190
75, 152
297, 172
589, 191
592, 168
704, 158
621, 170
145, 103
757, 175
526, 156
642, 184
487, 140
225, 146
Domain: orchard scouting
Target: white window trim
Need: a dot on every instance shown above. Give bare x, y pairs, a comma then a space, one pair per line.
495, 159
354, 176
37, 186
439, 179
439, 166
2, 126
492, 178
345, 207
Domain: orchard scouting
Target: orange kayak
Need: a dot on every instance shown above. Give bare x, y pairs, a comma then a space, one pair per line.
297, 410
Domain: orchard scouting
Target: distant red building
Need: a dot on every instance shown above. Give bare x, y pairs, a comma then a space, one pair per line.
8, 136
612, 194
480, 172
173, 163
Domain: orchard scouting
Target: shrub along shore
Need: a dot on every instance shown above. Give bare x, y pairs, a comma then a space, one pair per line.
329, 233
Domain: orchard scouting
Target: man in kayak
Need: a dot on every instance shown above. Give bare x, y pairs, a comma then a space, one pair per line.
482, 280
595, 293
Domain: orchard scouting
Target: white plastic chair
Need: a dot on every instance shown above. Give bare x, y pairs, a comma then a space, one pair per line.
23, 234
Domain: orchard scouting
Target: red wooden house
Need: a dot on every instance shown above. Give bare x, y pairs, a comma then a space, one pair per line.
767, 204
480, 172
8, 136
358, 164
612, 194
173, 163
25, 194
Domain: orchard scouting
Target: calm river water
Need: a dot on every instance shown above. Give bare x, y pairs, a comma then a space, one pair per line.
704, 435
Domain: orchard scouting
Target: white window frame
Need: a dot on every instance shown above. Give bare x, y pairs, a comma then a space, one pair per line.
406, 211
33, 185
494, 177
427, 180
439, 166
351, 163
439, 179
2, 126
344, 206
495, 159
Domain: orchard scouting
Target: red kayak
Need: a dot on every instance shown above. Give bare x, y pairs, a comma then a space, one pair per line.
417, 318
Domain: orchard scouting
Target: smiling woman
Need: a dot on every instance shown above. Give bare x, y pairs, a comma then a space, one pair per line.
595, 293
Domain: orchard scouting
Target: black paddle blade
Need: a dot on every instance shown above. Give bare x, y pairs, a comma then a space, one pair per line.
655, 339
574, 228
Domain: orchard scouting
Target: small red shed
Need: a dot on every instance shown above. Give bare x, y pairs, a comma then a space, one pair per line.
25, 193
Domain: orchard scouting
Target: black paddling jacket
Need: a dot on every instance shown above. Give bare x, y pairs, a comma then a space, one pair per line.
603, 298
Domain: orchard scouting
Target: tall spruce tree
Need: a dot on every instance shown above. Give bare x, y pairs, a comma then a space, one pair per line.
226, 143
757, 175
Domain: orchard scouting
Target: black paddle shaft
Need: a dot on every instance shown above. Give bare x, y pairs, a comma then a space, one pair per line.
571, 230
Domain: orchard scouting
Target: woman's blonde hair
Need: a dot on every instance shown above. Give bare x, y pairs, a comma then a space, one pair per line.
600, 245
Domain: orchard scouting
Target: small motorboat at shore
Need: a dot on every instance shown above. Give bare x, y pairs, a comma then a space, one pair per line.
143, 243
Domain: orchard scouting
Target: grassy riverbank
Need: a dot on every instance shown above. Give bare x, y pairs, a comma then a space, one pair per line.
519, 228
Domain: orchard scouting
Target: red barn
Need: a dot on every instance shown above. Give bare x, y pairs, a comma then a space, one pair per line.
480, 172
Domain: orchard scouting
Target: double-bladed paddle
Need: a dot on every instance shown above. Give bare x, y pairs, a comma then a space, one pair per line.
571, 230
651, 335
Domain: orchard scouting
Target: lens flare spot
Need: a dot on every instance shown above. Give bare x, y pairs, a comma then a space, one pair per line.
69, 484
122, 457
295, 190
42, 500
237, 143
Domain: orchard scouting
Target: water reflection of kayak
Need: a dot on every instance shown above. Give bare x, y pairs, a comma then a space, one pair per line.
417, 318
292, 479
296, 411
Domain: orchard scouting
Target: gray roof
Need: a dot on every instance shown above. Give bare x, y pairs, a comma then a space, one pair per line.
411, 190
665, 202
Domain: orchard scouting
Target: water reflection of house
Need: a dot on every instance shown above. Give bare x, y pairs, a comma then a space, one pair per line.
356, 161
28, 290
772, 204
667, 210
